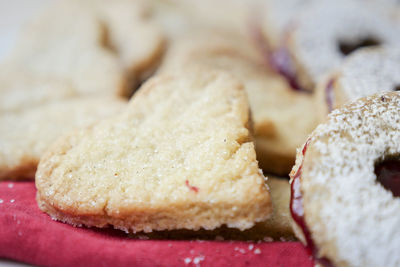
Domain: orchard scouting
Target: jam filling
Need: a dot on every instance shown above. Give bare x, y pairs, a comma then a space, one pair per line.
388, 175
329, 95
297, 212
279, 60
349, 47
191, 187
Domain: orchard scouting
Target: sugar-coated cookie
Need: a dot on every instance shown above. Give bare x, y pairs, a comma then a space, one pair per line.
180, 157
345, 185
26, 133
326, 32
365, 72
282, 117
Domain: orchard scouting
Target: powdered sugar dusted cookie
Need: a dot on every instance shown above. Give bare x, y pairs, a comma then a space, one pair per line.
345, 185
282, 117
180, 157
327, 31
26, 133
365, 72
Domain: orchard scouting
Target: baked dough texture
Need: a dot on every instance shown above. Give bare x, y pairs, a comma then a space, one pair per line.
353, 219
25, 134
180, 157
282, 117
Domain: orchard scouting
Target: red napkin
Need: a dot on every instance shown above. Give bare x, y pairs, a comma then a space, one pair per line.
28, 235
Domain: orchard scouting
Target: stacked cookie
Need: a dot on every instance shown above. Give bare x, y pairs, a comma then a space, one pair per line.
228, 92
71, 67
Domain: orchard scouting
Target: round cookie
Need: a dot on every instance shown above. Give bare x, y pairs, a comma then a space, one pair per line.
326, 32
282, 118
367, 71
345, 185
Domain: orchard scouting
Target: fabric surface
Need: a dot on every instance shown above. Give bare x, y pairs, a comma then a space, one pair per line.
28, 235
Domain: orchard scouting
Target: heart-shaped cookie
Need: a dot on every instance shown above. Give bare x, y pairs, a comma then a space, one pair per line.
180, 156
26, 133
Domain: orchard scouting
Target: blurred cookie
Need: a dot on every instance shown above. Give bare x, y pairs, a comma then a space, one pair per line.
180, 157
132, 34
180, 17
279, 225
26, 133
21, 90
326, 32
282, 117
365, 72
101, 47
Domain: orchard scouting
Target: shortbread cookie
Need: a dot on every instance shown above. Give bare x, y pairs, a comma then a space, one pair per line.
345, 185
282, 117
26, 133
327, 31
102, 47
21, 90
366, 72
277, 227
275, 18
177, 17
180, 157
132, 34
65, 42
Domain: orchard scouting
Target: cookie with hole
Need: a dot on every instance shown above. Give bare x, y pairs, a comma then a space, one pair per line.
326, 32
365, 72
346, 182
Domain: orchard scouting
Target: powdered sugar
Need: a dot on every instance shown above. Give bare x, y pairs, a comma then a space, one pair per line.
320, 28
343, 204
370, 71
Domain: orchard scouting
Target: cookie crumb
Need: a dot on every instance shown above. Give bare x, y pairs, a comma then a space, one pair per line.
257, 251
251, 246
10, 185
187, 260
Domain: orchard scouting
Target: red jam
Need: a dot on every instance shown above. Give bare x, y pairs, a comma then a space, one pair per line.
297, 212
329, 95
388, 175
279, 60
191, 187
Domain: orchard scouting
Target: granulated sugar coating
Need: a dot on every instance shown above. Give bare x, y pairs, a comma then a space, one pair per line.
137, 171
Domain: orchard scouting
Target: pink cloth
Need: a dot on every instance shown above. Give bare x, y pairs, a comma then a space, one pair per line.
29, 235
